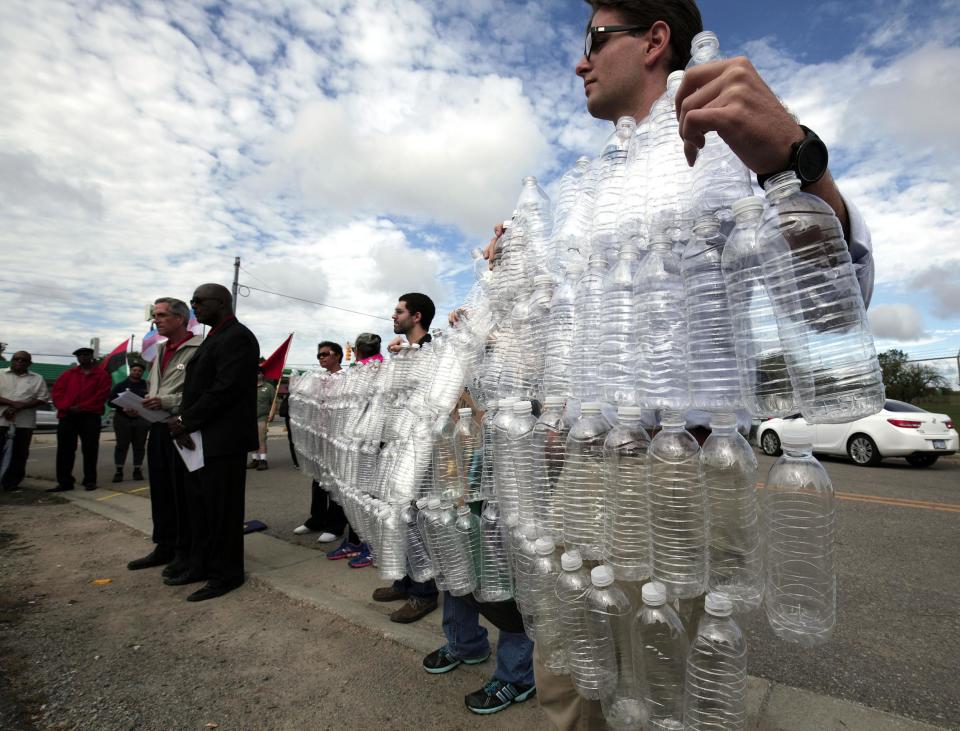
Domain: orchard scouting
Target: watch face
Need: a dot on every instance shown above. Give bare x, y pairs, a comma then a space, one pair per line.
812, 160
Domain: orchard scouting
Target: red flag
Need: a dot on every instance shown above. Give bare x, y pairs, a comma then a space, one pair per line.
114, 362
273, 366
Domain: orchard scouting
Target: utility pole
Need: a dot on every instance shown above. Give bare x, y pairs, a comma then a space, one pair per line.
236, 281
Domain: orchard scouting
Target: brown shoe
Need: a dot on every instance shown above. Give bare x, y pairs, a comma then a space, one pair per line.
388, 594
413, 610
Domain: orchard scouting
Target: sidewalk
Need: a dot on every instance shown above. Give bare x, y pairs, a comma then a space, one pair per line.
305, 575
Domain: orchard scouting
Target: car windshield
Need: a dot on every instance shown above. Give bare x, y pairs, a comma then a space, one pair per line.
900, 406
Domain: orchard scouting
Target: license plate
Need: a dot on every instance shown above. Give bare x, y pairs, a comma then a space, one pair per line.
939, 444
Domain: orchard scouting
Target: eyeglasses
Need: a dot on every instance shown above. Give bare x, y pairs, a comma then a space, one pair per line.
19, 358
324, 355
197, 300
590, 40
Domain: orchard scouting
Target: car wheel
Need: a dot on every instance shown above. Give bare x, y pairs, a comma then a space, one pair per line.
863, 451
922, 460
770, 443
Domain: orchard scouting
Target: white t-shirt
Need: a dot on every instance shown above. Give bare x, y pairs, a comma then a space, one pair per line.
25, 387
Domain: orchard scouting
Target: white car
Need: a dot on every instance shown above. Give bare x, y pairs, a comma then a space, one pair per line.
898, 430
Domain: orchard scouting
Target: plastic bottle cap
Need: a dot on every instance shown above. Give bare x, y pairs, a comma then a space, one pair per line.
405, 346
591, 407
675, 77
555, 401
723, 418
465, 412
601, 576
597, 259
706, 222
529, 180
522, 407
541, 280
433, 503
571, 561
463, 510
750, 203
717, 605
544, 546
628, 249
654, 593
422, 503
630, 412
704, 36
415, 346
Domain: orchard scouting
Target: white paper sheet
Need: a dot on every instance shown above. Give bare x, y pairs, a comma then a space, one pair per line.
130, 400
192, 458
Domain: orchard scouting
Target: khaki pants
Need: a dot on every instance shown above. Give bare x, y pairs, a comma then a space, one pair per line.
565, 708
262, 434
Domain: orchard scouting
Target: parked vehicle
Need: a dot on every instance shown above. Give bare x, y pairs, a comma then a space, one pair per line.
898, 430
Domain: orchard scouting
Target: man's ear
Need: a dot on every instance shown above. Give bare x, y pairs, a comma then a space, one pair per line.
659, 44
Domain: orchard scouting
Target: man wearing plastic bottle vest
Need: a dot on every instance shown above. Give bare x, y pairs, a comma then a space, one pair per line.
630, 48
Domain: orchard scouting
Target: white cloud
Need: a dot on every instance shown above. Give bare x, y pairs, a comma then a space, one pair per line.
897, 322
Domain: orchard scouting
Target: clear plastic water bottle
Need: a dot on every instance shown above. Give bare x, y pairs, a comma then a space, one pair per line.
662, 326
632, 223
609, 617
468, 528
581, 483
626, 546
572, 587
764, 380
678, 514
715, 688
428, 522
719, 177
585, 384
660, 640
799, 526
495, 580
445, 468
487, 489
419, 564
729, 477
613, 164
545, 571
392, 553
559, 344
714, 381
569, 227
549, 446
468, 443
523, 554
452, 549
539, 330
618, 332
668, 204
515, 492
505, 479
819, 307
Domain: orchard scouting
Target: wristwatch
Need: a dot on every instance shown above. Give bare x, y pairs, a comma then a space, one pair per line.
808, 159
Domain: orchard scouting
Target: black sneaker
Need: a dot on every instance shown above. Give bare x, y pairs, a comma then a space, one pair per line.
118, 476
137, 474
497, 695
442, 661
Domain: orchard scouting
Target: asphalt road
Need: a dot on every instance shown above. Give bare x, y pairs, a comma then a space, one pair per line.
895, 646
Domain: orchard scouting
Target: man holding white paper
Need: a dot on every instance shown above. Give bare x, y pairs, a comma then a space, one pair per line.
168, 503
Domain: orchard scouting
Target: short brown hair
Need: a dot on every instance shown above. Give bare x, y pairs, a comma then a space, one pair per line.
682, 16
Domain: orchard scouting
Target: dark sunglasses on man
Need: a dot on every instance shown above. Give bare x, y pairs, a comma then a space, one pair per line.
595, 32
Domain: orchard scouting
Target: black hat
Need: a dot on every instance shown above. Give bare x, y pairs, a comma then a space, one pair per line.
78, 351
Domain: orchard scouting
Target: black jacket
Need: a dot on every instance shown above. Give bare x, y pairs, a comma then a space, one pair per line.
219, 393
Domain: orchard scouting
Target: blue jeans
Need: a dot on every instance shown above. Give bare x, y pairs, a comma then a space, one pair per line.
466, 638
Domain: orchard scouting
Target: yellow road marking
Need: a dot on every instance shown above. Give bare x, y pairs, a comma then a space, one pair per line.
117, 493
894, 502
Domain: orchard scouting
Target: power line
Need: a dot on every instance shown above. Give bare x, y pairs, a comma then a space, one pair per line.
313, 302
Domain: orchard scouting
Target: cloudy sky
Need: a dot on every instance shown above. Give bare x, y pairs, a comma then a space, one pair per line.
349, 151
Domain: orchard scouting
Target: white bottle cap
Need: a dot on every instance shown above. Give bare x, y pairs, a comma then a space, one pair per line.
601, 576
522, 407
570, 560
544, 546
654, 593
717, 605
630, 412
422, 503
465, 412
433, 503
750, 203
405, 345
554, 401
591, 407
675, 77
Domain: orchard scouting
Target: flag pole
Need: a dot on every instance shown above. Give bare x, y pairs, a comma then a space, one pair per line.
276, 391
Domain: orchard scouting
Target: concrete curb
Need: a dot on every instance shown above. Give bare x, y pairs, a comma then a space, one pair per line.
305, 575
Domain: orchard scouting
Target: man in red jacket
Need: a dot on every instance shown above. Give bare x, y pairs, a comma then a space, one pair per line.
79, 395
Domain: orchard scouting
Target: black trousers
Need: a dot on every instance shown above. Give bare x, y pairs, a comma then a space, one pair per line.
326, 515
130, 430
215, 495
86, 428
168, 497
20, 450
293, 452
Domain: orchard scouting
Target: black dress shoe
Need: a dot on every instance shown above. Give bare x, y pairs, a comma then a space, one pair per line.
154, 558
137, 474
212, 591
175, 568
89, 488
184, 579
59, 488
118, 476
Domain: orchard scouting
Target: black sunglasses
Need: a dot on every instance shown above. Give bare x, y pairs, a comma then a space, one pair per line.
593, 32
324, 355
197, 300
